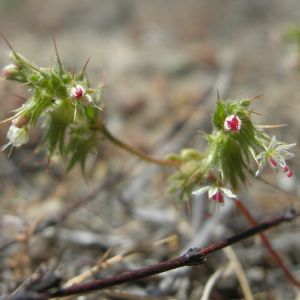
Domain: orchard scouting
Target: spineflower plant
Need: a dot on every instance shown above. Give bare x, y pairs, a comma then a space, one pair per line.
65, 106
224, 165
67, 109
61, 102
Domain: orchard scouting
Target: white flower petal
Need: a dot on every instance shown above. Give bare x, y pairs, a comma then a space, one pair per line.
17, 136
201, 190
89, 98
287, 155
228, 193
285, 146
280, 160
257, 173
273, 142
77, 91
212, 191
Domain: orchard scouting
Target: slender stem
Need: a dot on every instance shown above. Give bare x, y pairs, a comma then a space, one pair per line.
192, 257
268, 245
133, 150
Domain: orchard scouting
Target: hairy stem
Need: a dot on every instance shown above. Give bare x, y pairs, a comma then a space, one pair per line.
103, 129
268, 244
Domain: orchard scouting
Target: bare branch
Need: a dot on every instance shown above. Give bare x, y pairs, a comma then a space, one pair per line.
192, 257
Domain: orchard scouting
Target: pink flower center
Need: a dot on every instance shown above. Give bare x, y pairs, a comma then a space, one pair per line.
79, 92
273, 162
289, 173
233, 123
218, 197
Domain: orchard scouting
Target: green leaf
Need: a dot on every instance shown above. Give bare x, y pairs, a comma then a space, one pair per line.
39, 105
78, 149
59, 120
219, 115
231, 163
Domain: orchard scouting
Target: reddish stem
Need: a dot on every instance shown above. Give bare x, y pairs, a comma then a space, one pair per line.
268, 245
192, 257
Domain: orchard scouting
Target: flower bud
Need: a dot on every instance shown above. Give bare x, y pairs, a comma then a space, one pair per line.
17, 136
233, 123
10, 71
20, 121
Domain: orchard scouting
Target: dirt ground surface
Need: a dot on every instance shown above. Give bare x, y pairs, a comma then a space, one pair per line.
163, 62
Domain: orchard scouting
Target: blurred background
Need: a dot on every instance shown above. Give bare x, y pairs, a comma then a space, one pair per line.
163, 62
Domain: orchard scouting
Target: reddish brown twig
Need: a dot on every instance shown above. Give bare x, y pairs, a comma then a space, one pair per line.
268, 245
192, 257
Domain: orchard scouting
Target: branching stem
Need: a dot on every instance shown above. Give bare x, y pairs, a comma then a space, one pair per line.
162, 162
268, 245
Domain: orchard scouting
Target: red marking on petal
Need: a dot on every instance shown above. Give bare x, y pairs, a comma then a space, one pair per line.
218, 197
273, 162
233, 123
289, 173
79, 93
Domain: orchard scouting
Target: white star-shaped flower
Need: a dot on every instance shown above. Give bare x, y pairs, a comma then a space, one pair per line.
276, 155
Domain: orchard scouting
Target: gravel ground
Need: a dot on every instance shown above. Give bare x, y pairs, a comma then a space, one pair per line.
163, 61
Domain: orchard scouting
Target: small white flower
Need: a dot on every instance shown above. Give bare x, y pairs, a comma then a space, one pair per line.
78, 91
16, 136
233, 123
275, 154
9, 71
215, 193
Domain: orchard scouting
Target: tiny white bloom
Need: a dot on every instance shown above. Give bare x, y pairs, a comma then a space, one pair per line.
78, 91
16, 136
9, 71
275, 154
215, 193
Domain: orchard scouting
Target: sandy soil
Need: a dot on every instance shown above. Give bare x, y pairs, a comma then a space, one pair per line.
159, 59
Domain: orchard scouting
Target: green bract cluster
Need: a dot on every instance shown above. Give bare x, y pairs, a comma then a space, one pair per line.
66, 108
233, 144
64, 105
